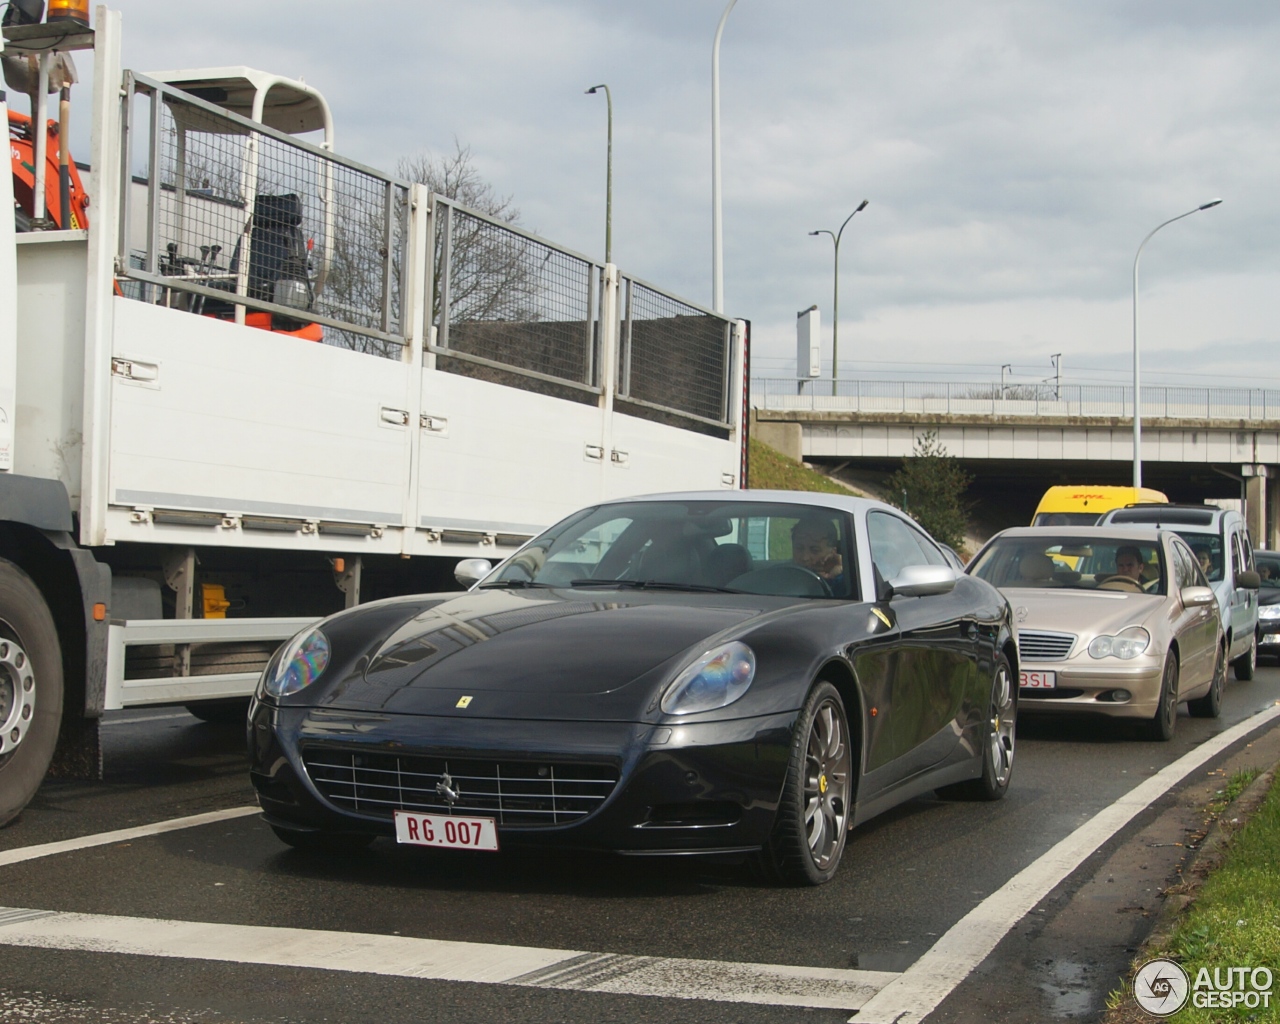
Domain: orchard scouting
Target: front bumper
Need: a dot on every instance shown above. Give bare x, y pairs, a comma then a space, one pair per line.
697, 788
1269, 638
1091, 685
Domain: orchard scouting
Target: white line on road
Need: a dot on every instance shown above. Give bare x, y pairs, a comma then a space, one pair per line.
435, 959
148, 718
916, 993
121, 835
882, 997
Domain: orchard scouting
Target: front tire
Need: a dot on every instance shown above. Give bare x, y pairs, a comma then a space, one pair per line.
998, 740
1247, 664
30, 689
813, 817
1210, 705
1162, 724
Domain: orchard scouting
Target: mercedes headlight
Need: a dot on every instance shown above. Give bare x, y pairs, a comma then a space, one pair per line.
297, 665
715, 680
1126, 644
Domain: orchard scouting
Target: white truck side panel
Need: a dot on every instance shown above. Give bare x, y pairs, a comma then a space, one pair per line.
499, 458
647, 458
231, 419
50, 362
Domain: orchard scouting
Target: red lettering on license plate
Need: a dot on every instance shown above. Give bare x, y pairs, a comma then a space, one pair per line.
1037, 680
446, 830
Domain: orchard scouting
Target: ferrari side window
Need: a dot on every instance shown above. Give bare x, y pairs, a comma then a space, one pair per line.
894, 545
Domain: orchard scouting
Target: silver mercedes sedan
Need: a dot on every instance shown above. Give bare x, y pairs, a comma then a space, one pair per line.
1110, 620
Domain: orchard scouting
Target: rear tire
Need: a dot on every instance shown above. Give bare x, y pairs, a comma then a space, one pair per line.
998, 738
30, 689
322, 842
1162, 724
817, 798
1210, 705
1247, 663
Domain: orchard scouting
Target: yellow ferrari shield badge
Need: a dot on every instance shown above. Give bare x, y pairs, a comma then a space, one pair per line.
463, 702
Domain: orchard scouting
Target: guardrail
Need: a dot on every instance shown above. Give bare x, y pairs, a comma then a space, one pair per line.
123, 692
985, 398
223, 215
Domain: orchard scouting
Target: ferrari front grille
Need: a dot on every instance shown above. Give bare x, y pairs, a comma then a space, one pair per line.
1043, 645
512, 792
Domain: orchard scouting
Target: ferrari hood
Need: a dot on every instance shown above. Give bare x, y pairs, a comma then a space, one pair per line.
531, 653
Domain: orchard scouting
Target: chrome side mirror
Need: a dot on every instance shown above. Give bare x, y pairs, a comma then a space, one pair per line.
1197, 597
923, 580
471, 571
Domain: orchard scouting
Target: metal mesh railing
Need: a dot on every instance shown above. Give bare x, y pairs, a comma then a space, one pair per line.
510, 307
674, 356
229, 213
1046, 400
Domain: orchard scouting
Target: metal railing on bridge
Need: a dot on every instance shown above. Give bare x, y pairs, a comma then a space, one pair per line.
960, 398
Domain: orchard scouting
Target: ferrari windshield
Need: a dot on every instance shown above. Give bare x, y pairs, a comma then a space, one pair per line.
1049, 561
734, 546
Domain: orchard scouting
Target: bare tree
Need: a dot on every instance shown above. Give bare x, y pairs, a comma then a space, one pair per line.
490, 278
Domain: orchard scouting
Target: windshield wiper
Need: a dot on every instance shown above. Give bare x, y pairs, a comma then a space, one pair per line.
652, 585
512, 585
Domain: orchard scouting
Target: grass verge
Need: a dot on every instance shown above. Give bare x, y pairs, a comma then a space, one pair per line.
1233, 919
769, 469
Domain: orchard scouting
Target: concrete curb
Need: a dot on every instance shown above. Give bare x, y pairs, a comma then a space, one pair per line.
1208, 857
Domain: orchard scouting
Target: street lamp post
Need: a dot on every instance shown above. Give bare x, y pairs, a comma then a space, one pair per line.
717, 231
835, 293
1137, 381
608, 178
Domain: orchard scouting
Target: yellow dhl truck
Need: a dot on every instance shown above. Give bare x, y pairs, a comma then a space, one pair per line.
1085, 504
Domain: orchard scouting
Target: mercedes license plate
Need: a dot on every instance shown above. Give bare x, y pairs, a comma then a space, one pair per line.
1037, 680
449, 831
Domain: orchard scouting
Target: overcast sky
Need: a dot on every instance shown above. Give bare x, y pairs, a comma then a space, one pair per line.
1014, 155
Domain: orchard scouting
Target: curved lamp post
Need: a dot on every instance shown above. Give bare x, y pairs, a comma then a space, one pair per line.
1137, 383
717, 233
835, 293
608, 178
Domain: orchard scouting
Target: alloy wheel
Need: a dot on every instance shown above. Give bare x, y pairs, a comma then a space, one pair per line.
1003, 725
826, 783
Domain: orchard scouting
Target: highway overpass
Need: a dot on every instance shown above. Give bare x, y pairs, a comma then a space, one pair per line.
1198, 443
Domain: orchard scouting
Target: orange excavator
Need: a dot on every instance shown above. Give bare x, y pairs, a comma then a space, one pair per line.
22, 154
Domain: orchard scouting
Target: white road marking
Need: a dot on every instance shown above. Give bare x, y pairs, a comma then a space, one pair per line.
916, 993
121, 835
881, 997
148, 718
435, 959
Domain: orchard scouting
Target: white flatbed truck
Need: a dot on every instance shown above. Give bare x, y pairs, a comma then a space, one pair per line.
267, 382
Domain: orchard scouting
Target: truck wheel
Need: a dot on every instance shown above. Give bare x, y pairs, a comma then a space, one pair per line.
30, 689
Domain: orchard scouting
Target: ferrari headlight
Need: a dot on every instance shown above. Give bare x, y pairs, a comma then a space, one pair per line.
298, 664
715, 680
1126, 644
1269, 611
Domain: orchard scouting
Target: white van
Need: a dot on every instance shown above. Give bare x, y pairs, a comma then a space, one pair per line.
1221, 542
